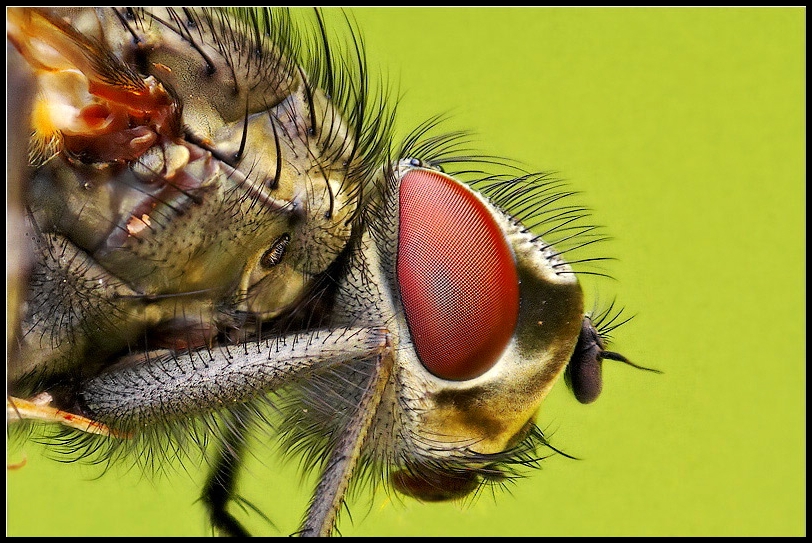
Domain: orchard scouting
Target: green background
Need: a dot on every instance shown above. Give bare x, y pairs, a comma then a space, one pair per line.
684, 129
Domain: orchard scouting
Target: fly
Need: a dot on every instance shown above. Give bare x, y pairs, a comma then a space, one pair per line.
224, 235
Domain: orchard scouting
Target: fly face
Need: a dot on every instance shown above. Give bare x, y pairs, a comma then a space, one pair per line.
225, 239
483, 318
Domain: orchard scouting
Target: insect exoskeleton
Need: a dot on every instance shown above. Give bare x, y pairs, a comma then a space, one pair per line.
226, 238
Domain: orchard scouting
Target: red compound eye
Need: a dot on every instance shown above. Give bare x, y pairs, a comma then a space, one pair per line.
457, 276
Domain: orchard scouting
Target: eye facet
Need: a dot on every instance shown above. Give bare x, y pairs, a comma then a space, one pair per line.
457, 276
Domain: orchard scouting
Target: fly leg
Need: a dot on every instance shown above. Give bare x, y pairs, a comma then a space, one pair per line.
174, 387
168, 387
39, 408
221, 485
329, 495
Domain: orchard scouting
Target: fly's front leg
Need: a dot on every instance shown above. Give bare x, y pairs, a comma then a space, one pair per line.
170, 387
329, 495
